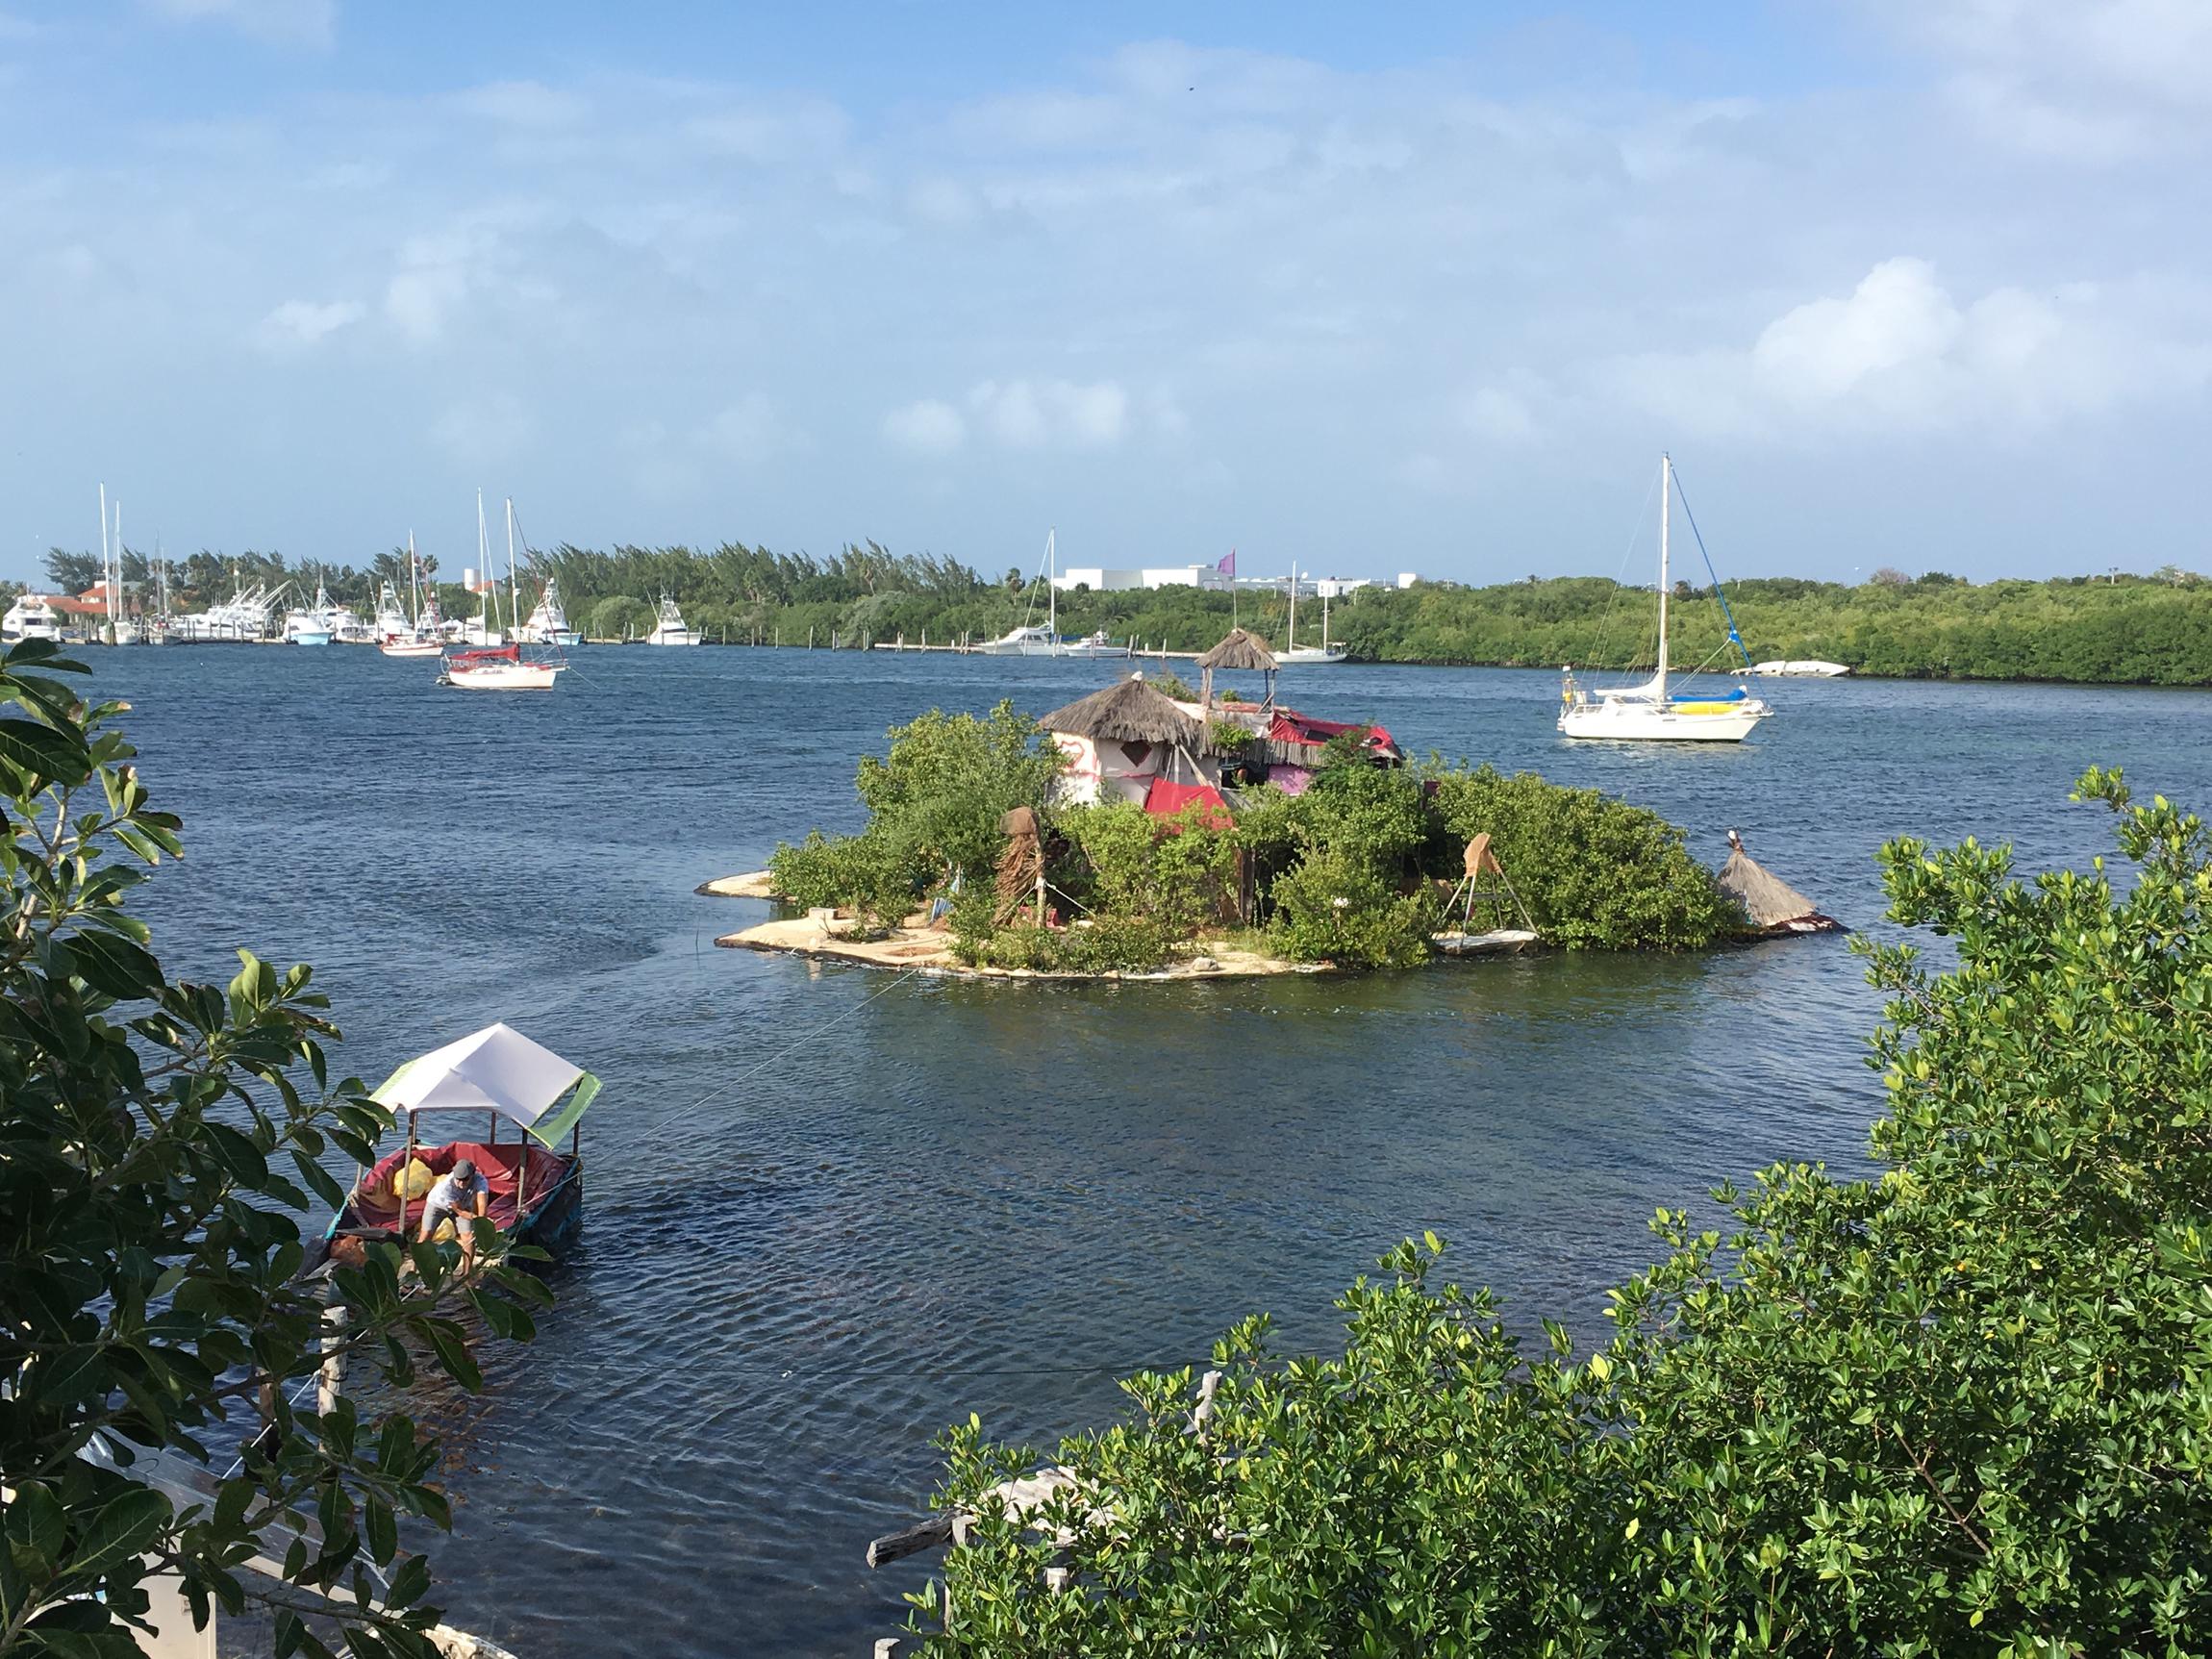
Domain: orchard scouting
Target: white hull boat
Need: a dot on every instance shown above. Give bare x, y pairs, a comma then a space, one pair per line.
504, 676
1646, 713
1043, 639
672, 629
1802, 667
1293, 654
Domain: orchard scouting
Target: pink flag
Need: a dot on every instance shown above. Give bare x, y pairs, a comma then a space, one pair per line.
1228, 566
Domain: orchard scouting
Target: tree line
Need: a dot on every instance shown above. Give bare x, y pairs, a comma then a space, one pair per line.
2116, 629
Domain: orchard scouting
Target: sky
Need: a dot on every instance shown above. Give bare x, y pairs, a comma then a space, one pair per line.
1422, 287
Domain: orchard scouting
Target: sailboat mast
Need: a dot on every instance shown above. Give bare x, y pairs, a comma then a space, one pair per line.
103, 535
1666, 489
513, 593
1051, 588
1325, 623
485, 612
115, 583
414, 583
1291, 629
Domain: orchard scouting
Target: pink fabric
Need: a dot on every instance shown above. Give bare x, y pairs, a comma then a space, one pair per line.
1167, 797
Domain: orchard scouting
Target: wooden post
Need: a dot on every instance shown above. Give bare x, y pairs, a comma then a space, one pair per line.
331, 1383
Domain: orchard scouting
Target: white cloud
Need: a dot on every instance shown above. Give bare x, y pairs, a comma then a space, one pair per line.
927, 427
1900, 355
525, 104
300, 322
1497, 416
310, 23
747, 432
1032, 414
487, 431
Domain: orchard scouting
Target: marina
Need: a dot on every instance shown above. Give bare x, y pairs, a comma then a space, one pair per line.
749, 1432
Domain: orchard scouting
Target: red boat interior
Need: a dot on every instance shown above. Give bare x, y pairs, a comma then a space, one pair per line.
506, 1168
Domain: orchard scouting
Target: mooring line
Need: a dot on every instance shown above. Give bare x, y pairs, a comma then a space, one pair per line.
782, 1053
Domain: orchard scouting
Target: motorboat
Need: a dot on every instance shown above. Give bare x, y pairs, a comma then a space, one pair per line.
547, 623
492, 1078
670, 629
242, 617
1802, 667
316, 625
1032, 639
498, 668
1648, 712
32, 617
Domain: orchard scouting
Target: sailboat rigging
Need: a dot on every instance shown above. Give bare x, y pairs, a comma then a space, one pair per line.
1646, 713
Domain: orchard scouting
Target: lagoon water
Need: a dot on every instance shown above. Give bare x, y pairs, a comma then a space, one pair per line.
829, 1213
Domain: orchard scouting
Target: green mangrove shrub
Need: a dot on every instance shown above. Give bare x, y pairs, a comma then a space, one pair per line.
934, 800
1333, 906
1961, 1406
1595, 872
162, 1146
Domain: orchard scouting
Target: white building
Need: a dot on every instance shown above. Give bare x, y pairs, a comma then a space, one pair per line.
1099, 580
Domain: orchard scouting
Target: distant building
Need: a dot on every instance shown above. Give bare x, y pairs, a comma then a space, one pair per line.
1097, 579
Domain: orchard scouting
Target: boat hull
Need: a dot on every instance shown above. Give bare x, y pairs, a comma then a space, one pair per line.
505, 677
1660, 722
413, 649
1307, 654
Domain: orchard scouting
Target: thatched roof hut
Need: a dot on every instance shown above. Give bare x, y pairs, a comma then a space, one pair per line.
1240, 650
1129, 710
1770, 902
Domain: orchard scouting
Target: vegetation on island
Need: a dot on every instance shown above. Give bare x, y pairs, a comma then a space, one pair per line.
161, 1143
1961, 1406
1354, 870
2116, 629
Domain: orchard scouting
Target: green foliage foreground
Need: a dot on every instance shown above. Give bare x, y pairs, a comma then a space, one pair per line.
1961, 1408
158, 1146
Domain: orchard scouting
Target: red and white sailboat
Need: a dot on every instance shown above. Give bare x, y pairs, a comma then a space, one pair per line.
501, 667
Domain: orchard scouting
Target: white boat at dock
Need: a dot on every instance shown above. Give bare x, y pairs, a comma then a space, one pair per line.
32, 617
670, 629
1043, 639
1646, 712
1293, 653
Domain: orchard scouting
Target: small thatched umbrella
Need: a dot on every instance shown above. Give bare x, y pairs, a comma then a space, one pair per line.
1771, 902
1239, 650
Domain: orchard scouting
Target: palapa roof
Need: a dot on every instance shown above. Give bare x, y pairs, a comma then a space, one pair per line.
1240, 650
1129, 710
1768, 901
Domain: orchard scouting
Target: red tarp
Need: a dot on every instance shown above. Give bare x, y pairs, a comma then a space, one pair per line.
1291, 727
1166, 799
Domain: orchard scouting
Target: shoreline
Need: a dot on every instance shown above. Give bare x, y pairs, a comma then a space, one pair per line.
917, 950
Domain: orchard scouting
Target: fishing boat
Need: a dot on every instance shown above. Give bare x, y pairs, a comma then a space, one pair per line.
1292, 651
494, 1076
313, 626
547, 623
670, 629
1646, 712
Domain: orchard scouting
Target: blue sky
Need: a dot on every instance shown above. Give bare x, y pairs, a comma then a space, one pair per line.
1426, 287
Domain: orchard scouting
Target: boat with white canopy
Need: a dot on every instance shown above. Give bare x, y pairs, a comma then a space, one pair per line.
503, 1077
1648, 712
670, 628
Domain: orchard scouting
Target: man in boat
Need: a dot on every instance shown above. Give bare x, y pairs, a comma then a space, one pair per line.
458, 1195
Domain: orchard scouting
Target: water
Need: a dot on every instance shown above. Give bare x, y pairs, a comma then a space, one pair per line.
953, 1196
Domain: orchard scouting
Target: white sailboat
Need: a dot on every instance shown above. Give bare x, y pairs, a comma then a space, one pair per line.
1043, 640
670, 629
399, 635
1645, 712
1293, 652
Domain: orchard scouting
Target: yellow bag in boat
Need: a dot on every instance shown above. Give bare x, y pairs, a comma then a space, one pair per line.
417, 1179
